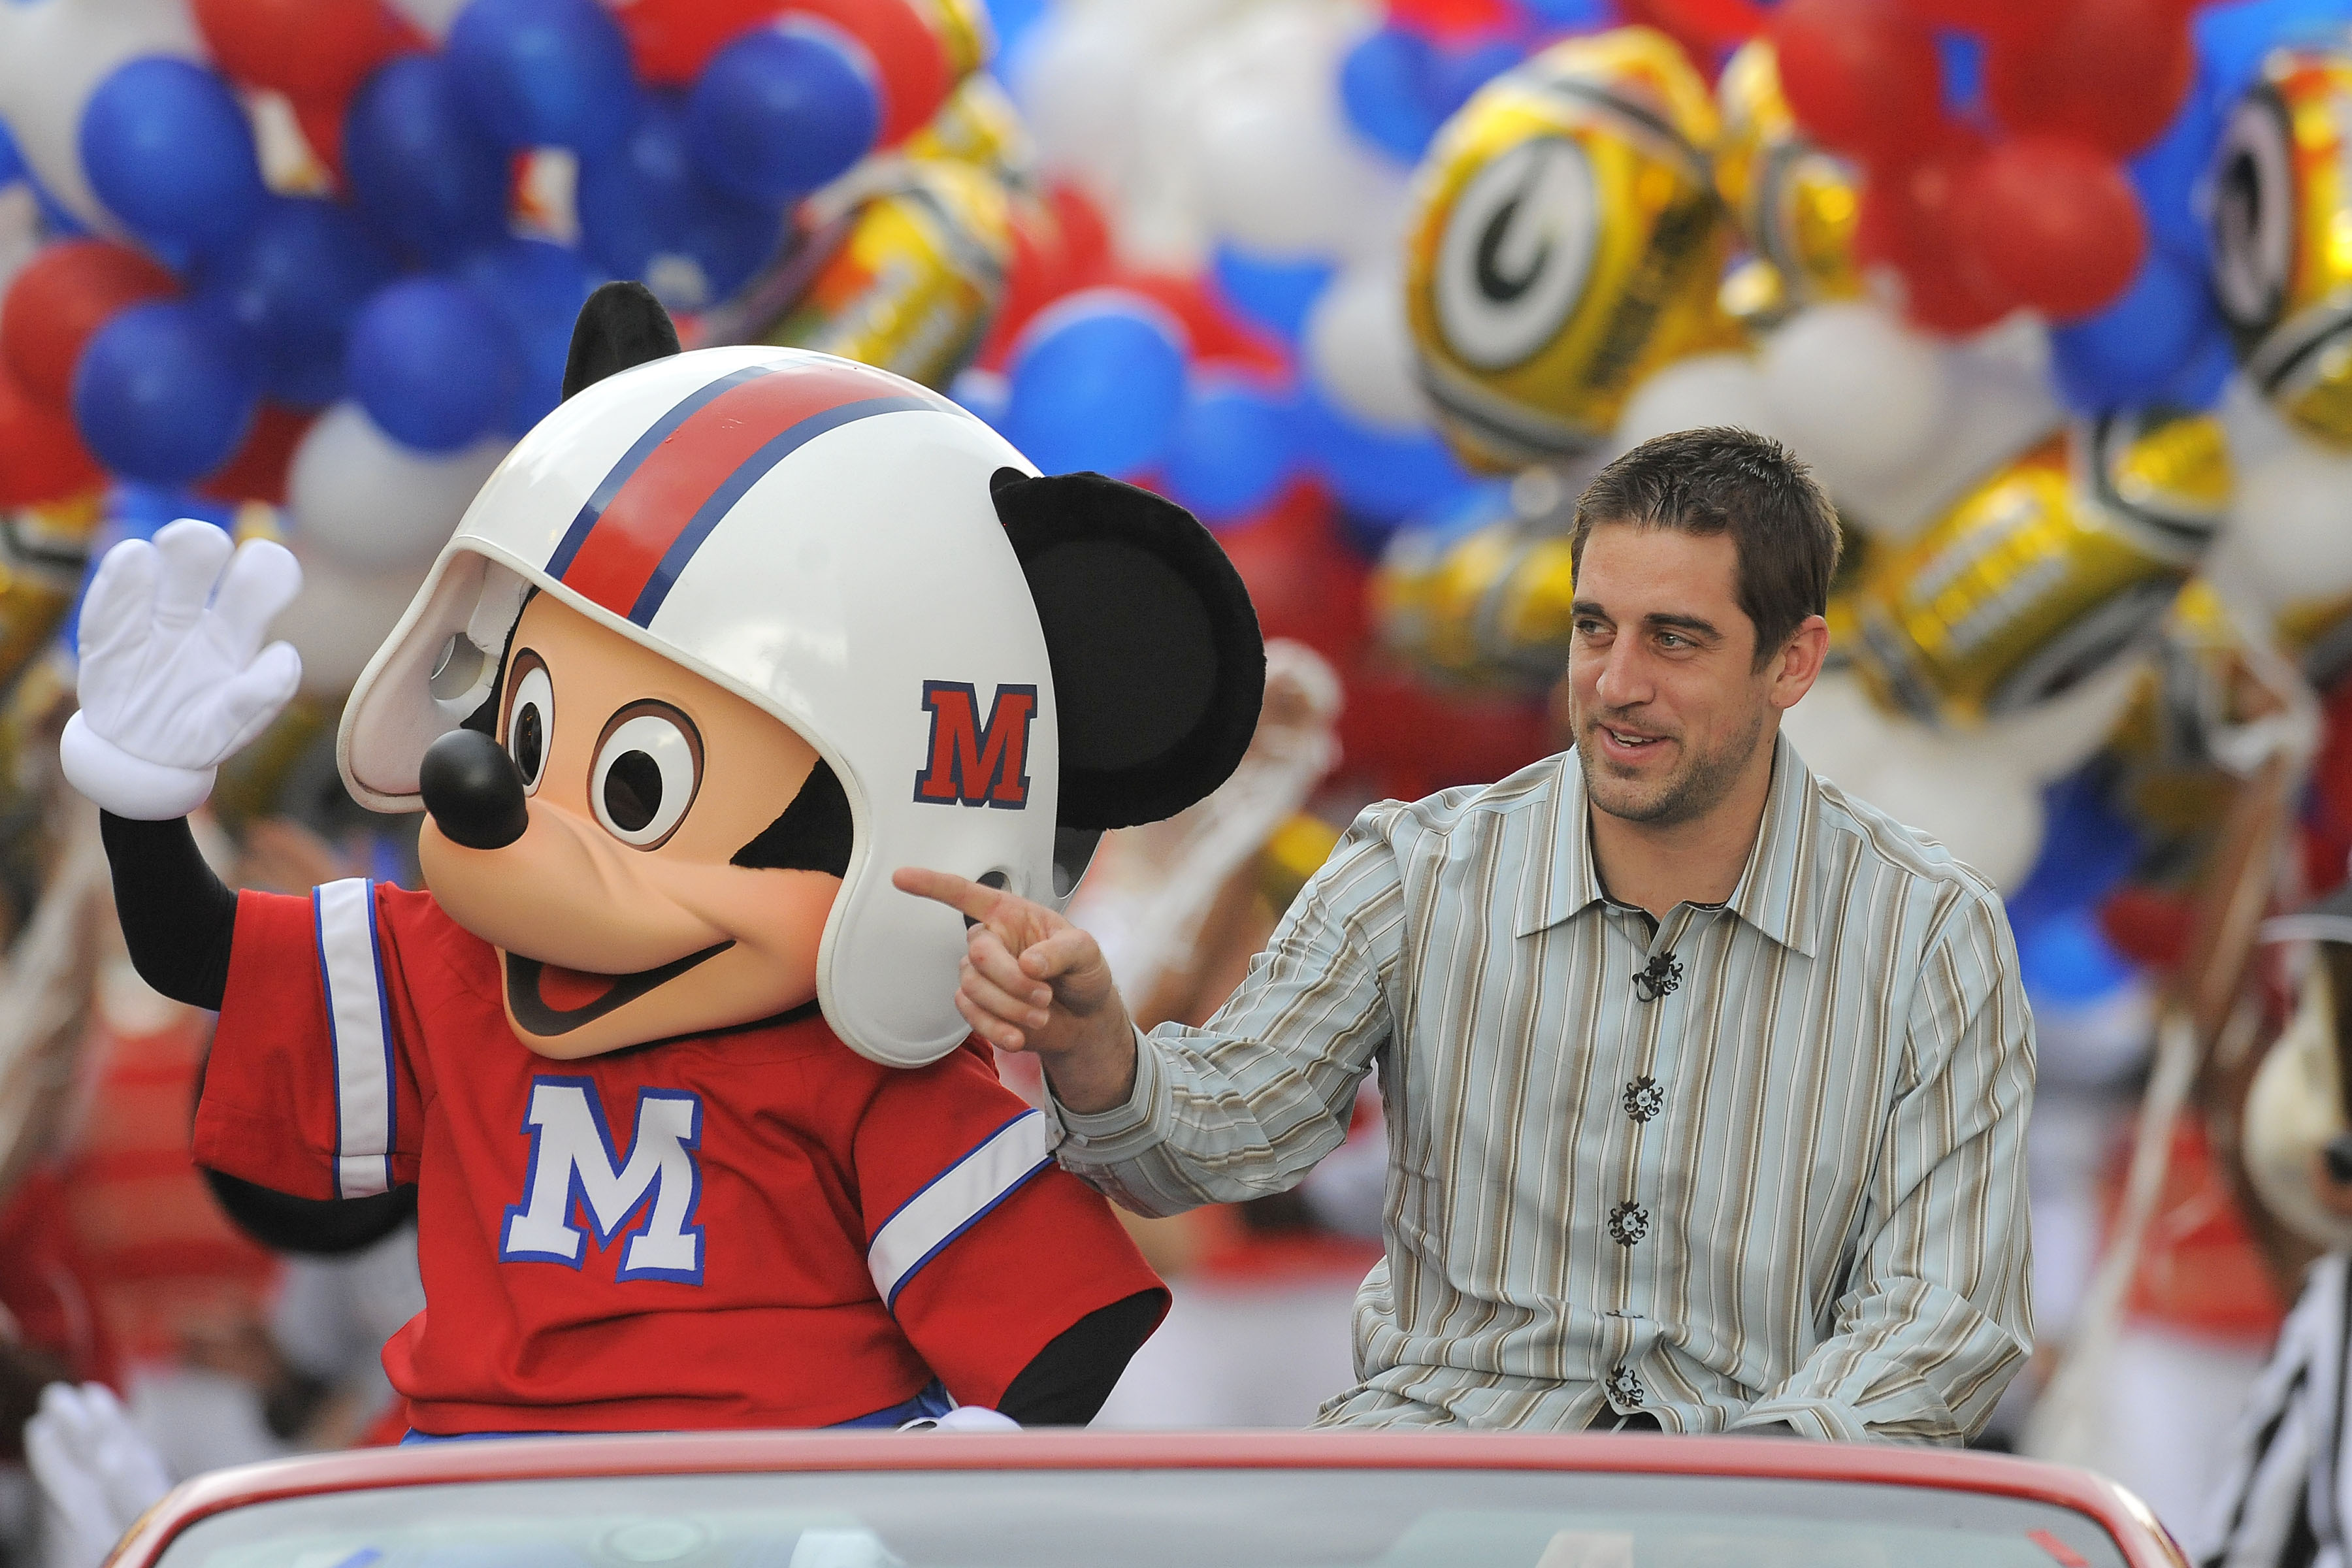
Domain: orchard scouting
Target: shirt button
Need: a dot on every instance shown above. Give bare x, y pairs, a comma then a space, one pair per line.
1629, 1221
1623, 1387
1644, 1099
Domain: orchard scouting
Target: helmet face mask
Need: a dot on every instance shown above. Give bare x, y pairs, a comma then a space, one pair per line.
875, 570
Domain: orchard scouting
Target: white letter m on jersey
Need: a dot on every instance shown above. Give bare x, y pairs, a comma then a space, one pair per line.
573, 1161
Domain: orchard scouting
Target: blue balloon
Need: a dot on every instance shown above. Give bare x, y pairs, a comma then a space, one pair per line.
646, 212
1962, 57
1387, 85
1011, 20
13, 167
984, 393
544, 73
1233, 446
1371, 471
537, 289
161, 394
780, 112
2127, 355
1462, 71
2088, 850
169, 150
1274, 292
1579, 15
419, 167
1095, 386
2069, 961
433, 364
292, 285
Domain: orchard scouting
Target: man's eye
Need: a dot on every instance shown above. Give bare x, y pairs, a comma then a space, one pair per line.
1672, 639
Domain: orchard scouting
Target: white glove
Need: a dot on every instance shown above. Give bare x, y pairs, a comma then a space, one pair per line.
171, 685
966, 1418
97, 1471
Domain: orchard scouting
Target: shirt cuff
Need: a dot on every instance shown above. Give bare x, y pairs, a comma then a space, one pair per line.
1106, 1137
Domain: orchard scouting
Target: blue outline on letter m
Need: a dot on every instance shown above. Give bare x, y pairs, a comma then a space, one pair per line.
651, 1196
973, 764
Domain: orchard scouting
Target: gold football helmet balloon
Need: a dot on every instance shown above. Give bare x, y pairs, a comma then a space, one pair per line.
906, 280
1797, 205
2045, 570
43, 550
2283, 236
1566, 240
1491, 606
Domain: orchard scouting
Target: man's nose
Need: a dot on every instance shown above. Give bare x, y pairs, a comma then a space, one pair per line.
1623, 681
473, 792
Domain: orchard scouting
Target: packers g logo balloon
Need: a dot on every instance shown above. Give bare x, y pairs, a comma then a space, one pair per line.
2282, 264
2045, 570
1566, 238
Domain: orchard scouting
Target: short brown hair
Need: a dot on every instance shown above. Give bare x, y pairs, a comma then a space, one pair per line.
1727, 480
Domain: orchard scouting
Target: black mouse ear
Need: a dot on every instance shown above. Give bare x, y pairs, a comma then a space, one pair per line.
620, 325
1158, 665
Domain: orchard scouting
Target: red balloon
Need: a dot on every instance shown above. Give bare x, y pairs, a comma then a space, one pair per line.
1911, 221
41, 455
257, 470
1862, 77
2053, 221
304, 49
2111, 73
321, 121
61, 297
1986, 19
1706, 27
1451, 19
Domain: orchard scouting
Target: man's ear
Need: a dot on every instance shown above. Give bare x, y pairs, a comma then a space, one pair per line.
620, 325
1158, 665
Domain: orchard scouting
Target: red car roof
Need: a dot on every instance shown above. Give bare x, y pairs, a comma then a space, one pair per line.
2135, 1529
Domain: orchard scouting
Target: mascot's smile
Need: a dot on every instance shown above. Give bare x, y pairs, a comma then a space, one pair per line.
547, 999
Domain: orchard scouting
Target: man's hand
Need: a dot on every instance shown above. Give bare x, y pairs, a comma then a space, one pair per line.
1031, 981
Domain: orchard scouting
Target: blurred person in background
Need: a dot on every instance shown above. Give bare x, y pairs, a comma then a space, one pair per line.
1706, 1085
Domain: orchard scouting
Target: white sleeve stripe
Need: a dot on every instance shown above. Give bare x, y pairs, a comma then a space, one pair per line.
955, 1199
362, 1033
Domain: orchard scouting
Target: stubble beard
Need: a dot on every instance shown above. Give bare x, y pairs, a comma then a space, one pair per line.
1697, 787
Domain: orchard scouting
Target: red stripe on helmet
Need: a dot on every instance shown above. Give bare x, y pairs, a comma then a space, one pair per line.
649, 512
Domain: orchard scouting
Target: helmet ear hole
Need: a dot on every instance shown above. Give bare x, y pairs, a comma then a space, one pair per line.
1157, 664
620, 325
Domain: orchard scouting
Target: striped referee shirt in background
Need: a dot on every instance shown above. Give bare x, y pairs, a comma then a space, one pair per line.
1779, 1178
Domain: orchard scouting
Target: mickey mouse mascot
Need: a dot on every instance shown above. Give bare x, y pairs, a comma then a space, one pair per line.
697, 1137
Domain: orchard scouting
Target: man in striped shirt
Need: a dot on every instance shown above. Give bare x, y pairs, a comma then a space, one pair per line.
1707, 1084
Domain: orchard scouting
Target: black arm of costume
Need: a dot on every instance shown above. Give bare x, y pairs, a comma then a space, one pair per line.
1070, 1378
177, 917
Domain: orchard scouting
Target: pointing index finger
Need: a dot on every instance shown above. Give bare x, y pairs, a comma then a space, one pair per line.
973, 900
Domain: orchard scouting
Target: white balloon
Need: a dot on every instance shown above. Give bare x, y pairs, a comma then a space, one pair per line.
369, 504
1279, 173
1360, 350
2290, 535
1961, 791
1859, 395
1694, 393
1837, 729
2052, 739
1076, 76
1995, 410
53, 55
340, 618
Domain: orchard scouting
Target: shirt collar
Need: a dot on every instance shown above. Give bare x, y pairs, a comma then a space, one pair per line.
1778, 893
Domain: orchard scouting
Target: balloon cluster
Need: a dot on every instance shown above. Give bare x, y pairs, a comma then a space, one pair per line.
326, 253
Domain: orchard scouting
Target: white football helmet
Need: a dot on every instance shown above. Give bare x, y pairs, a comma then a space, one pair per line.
838, 546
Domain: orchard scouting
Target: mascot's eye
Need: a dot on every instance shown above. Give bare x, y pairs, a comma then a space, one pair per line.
531, 723
648, 765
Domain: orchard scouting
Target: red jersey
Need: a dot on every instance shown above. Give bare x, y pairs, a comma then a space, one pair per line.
753, 1227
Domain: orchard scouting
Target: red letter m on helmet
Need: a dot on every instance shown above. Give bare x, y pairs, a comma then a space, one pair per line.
976, 763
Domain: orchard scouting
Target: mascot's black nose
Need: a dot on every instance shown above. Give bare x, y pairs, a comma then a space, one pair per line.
473, 790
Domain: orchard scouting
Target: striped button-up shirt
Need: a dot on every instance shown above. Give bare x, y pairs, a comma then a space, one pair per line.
1779, 1179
